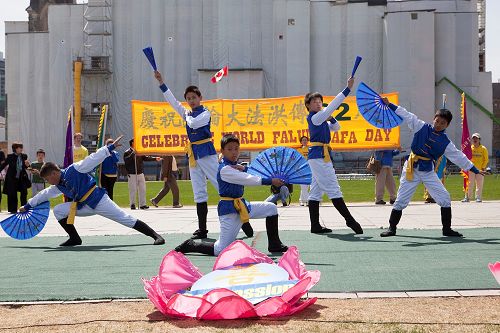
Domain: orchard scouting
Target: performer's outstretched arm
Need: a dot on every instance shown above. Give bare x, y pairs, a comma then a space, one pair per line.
412, 120
90, 162
44, 195
170, 98
234, 176
458, 157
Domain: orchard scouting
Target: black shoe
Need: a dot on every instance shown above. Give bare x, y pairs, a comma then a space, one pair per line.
154, 203
247, 229
144, 207
380, 202
148, 231
186, 246
72, 241
355, 226
392, 202
320, 230
282, 248
389, 232
200, 234
452, 233
132, 207
430, 200
285, 204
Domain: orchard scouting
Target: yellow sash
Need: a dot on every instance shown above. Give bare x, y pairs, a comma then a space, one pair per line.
74, 206
412, 159
240, 208
189, 150
326, 150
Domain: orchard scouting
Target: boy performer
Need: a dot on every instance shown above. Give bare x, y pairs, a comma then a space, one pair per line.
324, 179
37, 182
87, 199
233, 210
429, 143
203, 162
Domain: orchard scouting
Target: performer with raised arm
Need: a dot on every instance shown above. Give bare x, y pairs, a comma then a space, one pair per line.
429, 143
86, 198
203, 162
324, 179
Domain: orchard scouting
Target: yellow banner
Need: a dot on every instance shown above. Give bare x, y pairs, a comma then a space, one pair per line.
259, 124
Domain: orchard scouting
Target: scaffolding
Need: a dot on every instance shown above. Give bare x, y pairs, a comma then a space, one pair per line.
97, 65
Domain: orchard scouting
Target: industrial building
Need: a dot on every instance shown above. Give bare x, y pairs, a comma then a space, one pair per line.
274, 48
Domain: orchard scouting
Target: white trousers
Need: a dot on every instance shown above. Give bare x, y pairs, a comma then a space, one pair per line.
304, 193
475, 183
206, 167
431, 182
324, 180
137, 182
106, 207
230, 224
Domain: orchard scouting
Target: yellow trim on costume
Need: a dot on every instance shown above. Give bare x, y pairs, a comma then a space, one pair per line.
326, 150
412, 159
240, 208
74, 206
111, 175
189, 150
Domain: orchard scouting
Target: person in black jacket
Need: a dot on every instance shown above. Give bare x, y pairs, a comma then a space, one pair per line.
16, 179
134, 164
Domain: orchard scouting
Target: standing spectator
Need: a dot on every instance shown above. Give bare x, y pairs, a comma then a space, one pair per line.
480, 160
2, 175
385, 179
280, 193
109, 170
134, 164
169, 176
16, 178
79, 151
304, 189
37, 182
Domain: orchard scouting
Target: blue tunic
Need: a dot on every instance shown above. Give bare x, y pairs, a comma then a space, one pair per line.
201, 133
429, 143
75, 185
229, 190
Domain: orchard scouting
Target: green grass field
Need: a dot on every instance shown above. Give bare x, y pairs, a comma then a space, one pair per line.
353, 190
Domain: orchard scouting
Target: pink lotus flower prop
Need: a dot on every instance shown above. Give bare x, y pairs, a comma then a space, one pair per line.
167, 291
495, 270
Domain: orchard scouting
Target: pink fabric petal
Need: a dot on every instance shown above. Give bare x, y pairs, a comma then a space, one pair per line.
282, 305
213, 296
239, 253
151, 292
290, 261
177, 273
183, 306
271, 306
495, 270
232, 307
293, 294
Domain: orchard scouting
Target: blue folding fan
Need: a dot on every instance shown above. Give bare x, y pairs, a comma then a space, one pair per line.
284, 163
148, 52
28, 224
374, 110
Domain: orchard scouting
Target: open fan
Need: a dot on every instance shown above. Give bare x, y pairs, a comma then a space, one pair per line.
284, 163
374, 110
28, 224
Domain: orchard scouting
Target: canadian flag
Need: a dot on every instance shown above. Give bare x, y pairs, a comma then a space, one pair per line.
218, 76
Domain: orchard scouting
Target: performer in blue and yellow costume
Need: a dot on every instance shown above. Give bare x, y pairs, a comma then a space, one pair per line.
429, 143
233, 210
324, 179
203, 161
86, 198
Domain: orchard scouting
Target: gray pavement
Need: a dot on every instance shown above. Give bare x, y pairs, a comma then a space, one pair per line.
183, 220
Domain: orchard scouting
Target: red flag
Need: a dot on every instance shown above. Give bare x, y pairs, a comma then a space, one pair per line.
466, 147
218, 76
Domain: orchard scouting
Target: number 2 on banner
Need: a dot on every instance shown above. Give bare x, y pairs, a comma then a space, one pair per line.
344, 108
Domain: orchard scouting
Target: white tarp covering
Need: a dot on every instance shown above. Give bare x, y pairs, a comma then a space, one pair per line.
291, 46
